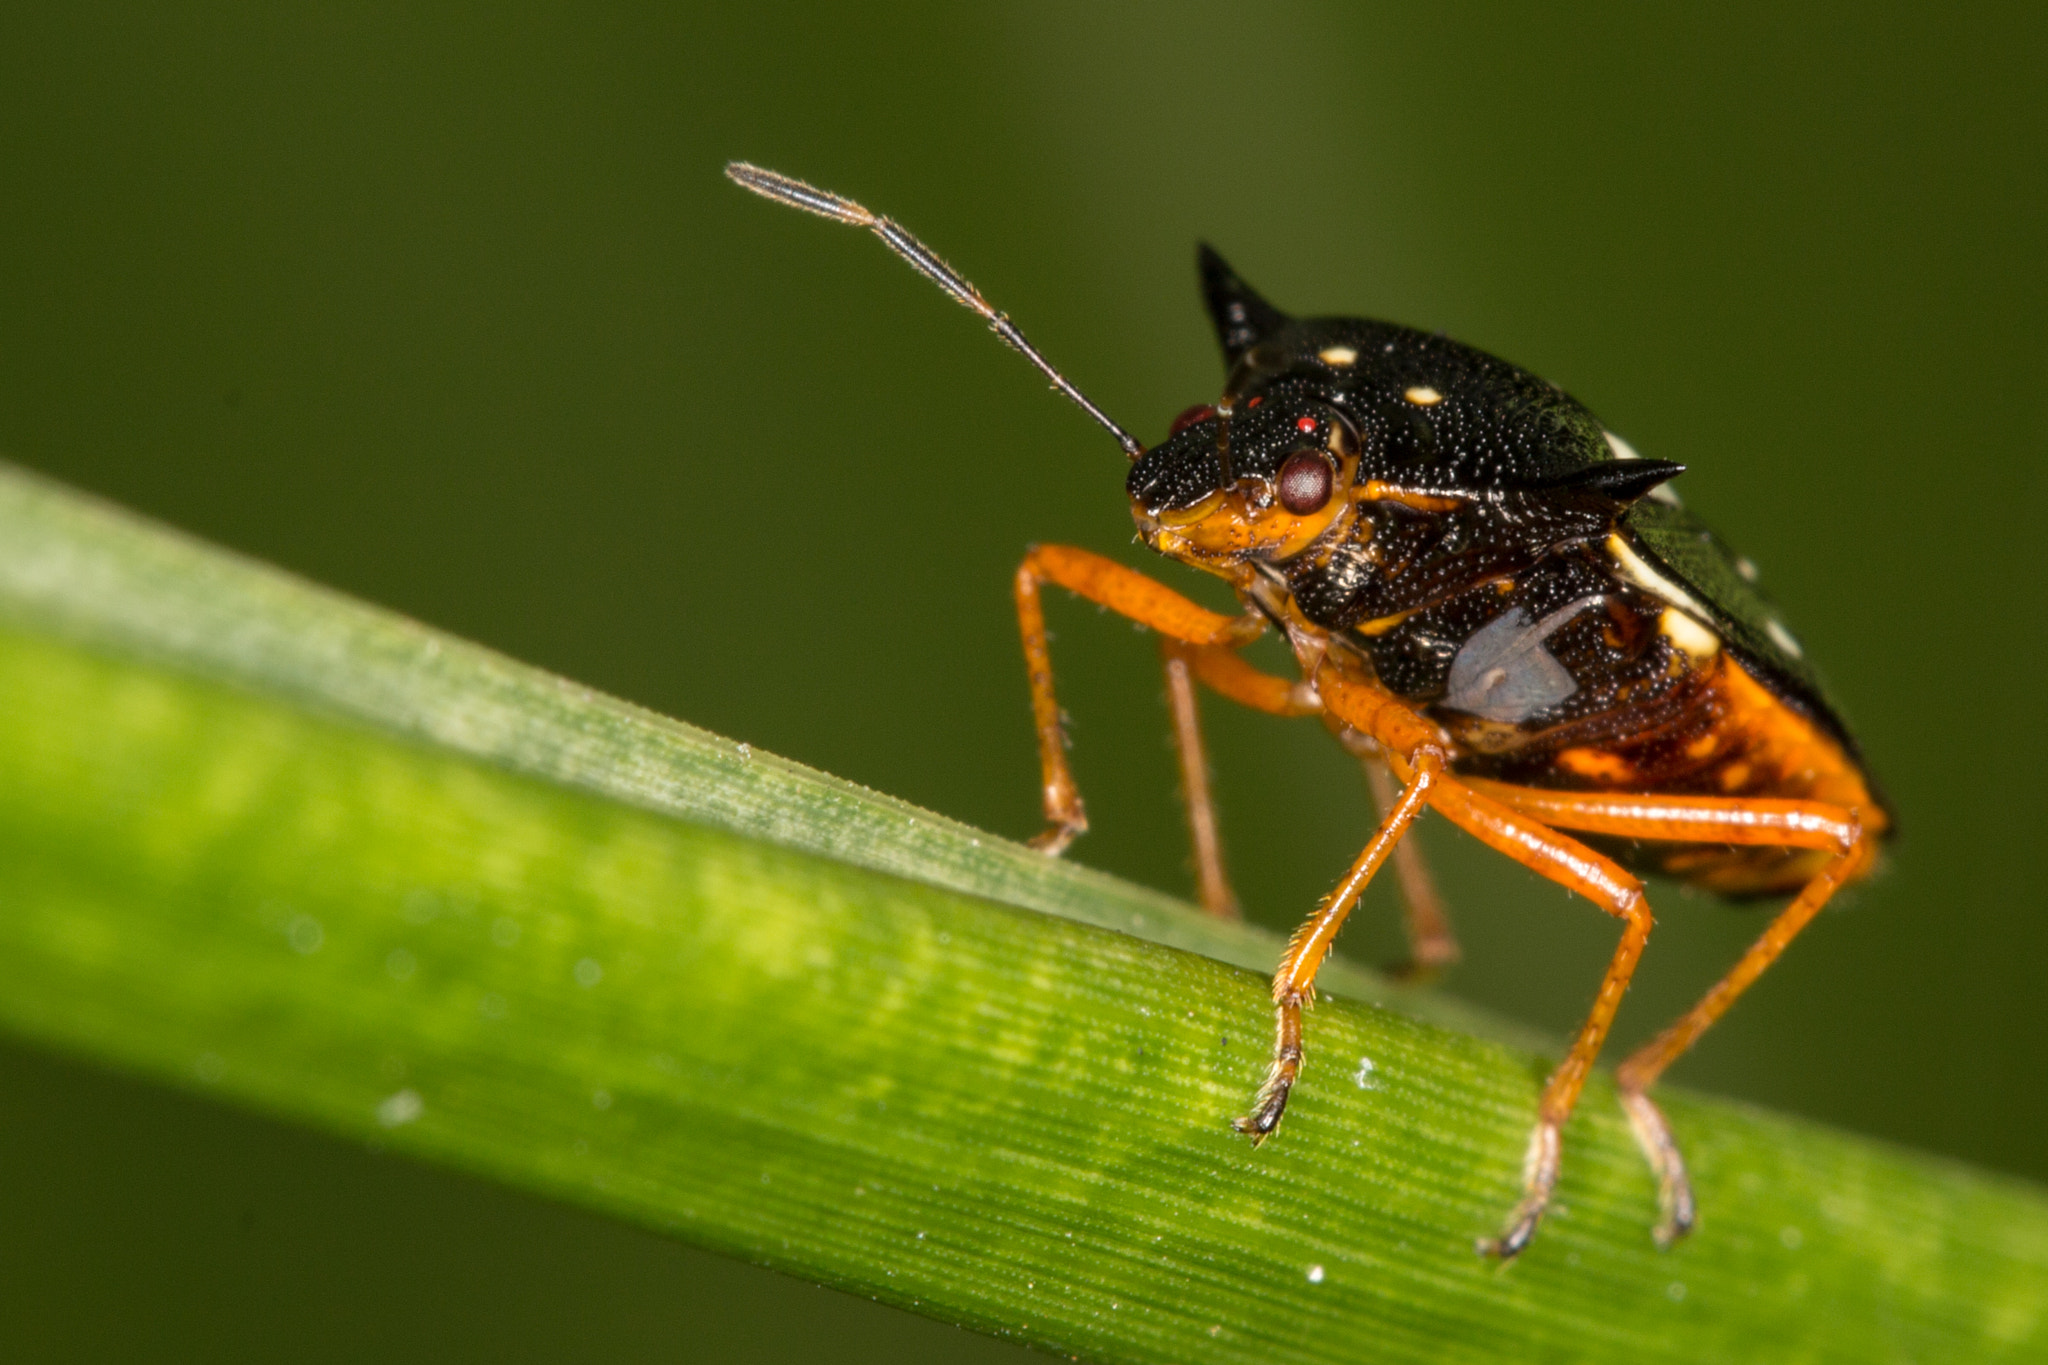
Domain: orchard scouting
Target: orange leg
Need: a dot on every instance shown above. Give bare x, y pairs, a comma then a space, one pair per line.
1294, 983
1573, 865
1224, 672
1412, 751
1705, 819
1128, 593
1389, 723
1431, 944
1211, 882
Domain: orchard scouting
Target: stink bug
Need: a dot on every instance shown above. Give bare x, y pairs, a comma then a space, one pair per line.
1503, 610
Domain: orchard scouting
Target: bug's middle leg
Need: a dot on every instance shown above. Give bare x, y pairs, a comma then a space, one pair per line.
1128, 593
1221, 670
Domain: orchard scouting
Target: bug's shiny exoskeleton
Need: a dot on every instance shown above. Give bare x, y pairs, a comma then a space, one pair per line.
1503, 610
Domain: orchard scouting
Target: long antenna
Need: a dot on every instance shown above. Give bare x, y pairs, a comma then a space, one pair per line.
795, 193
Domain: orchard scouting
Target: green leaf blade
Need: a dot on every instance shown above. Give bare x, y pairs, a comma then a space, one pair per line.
240, 877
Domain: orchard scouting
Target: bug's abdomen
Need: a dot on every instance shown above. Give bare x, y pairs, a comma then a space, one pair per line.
1739, 739
1572, 677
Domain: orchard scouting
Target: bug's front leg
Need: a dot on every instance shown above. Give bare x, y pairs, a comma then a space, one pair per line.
1128, 593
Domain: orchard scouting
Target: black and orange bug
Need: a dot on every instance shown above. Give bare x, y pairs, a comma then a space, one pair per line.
1501, 607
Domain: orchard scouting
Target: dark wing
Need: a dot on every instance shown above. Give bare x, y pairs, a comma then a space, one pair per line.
1676, 541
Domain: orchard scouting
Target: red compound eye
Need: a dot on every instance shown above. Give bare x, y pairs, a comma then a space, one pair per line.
1200, 412
1305, 483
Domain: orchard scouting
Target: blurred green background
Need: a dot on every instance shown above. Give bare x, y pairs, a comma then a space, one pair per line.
451, 309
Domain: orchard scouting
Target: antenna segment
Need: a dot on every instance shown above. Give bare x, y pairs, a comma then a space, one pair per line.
797, 195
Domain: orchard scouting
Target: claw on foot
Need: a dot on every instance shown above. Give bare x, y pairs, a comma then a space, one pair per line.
1267, 1108
1539, 1178
1053, 841
1660, 1147
1520, 1231
1271, 1101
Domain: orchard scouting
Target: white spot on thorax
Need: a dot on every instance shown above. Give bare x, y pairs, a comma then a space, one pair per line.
1337, 355
1746, 569
1315, 1274
1783, 638
1423, 396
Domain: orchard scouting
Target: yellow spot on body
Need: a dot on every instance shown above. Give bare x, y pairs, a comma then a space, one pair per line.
1734, 777
1381, 625
1688, 634
1423, 396
1636, 571
1337, 355
1704, 746
1597, 764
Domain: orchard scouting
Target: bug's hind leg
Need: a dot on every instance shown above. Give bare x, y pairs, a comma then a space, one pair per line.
1294, 983
1639, 1072
1708, 820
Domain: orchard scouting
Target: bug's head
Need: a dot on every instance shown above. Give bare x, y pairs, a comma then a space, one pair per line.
1261, 480
1326, 420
